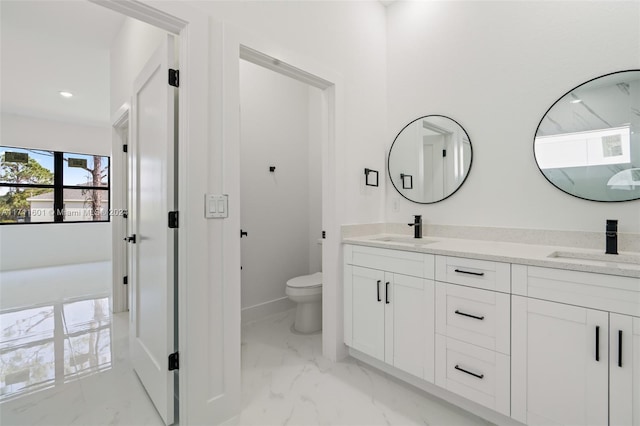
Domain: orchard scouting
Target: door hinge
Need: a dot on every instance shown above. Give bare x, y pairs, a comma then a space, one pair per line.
125, 148
125, 280
324, 234
173, 219
444, 152
174, 78
174, 361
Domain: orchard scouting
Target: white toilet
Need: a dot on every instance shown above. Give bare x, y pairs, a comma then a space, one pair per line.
306, 291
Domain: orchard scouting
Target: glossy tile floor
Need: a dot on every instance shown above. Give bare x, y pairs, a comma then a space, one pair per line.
286, 381
64, 356
64, 361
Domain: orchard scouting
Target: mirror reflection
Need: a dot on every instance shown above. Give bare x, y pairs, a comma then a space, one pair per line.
430, 159
588, 144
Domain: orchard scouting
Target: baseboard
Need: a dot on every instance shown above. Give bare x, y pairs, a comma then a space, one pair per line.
262, 310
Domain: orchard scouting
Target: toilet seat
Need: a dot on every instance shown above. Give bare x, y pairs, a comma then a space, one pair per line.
306, 281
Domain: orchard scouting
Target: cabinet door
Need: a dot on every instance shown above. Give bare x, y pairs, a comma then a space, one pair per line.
559, 363
410, 325
624, 370
367, 315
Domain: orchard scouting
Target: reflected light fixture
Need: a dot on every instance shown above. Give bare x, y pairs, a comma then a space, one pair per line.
65, 94
575, 101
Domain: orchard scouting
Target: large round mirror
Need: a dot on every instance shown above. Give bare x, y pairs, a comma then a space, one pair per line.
588, 142
430, 159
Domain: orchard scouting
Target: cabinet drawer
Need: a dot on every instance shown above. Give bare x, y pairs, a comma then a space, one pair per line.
474, 273
475, 373
479, 317
402, 262
597, 291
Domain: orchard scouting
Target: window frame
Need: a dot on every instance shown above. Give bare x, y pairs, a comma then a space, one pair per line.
59, 187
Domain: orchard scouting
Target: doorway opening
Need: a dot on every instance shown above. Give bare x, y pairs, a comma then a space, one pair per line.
66, 318
280, 194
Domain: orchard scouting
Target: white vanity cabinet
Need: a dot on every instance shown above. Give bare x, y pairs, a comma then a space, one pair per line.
575, 348
473, 330
541, 345
388, 314
624, 370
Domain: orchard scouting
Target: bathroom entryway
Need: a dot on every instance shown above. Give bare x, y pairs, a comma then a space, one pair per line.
281, 190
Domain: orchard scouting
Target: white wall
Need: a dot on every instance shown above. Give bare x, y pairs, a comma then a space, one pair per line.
348, 38
314, 189
496, 67
275, 206
39, 245
130, 50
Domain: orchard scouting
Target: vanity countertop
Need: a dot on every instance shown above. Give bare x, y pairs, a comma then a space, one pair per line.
626, 264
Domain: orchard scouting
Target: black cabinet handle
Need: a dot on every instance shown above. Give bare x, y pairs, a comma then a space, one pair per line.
460, 271
619, 348
386, 292
469, 315
243, 233
479, 376
131, 239
597, 343
379, 300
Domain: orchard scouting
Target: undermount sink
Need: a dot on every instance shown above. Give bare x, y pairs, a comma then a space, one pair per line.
598, 257
405, 240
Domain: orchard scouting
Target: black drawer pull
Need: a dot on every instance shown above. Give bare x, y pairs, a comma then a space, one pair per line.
386, 292
469, 315
597, 343
619, 348
460, 271
379, 300
479, 376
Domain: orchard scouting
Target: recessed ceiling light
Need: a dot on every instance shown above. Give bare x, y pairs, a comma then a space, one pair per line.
65, 94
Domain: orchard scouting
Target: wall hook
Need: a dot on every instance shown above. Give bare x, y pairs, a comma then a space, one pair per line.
272, 169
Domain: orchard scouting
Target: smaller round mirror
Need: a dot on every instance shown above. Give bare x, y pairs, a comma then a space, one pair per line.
430, 159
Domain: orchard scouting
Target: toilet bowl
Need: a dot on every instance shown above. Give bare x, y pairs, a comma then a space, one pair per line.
306, 292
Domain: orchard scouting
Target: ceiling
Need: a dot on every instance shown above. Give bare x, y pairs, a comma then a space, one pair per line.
52, 46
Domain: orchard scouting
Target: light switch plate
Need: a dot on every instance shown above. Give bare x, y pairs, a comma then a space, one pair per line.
216, 206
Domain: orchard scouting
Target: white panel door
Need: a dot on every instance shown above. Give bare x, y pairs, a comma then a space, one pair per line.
368, 311
152, 304
624, 367
560, 361
411, 316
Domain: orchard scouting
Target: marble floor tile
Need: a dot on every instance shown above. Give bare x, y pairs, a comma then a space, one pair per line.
65, 361
286, 381
64, 358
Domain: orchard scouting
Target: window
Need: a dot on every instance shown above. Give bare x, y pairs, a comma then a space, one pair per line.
39, 186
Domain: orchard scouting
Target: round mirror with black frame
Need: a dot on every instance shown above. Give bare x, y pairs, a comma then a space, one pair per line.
430, 159
588, 142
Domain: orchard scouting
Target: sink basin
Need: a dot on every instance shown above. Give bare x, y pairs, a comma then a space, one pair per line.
405, 240
598, 257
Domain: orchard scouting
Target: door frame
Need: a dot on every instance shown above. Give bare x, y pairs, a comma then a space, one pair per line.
207, 381
240, 44
119, 169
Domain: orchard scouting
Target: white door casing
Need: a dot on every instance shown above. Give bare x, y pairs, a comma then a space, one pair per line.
119, 204
153, 256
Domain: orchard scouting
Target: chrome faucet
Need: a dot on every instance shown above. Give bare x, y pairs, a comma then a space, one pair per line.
612, 237
417, 226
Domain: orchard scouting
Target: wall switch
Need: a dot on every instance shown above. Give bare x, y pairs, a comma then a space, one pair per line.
216, 206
